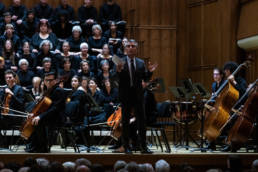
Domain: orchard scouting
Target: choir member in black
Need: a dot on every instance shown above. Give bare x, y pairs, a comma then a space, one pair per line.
87, 15
114, 37
75, 109
29, 26
9, 55
85, 70
96, 116
46, 121
7, 19
16, 100
218, 77
110, 93
43, 10
67, 72
105, 55
45, 47
238, 82
131, 94
121, 50
2, 10
25, 74
46, 67
110, 11
26, 53
2, 70
85, 56
65, 53
11, 35
96, 41
18, 11
62, 27
76, 39
43, 34
105, 72
84, 83
64, 6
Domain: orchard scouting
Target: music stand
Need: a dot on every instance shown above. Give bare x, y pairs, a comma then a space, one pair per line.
160, 86
202, 90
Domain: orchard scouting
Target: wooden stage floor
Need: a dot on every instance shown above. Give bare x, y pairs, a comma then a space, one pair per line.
177, 156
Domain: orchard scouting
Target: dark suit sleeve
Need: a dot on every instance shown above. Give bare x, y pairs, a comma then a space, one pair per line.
58, 99
18, 97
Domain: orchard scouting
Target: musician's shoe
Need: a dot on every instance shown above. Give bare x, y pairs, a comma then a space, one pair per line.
211, 146
226, 148
115, 146
146, 150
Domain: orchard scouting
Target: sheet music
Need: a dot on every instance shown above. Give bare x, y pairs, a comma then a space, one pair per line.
117, 60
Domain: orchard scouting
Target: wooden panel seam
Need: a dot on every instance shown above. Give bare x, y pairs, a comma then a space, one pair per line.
201, 2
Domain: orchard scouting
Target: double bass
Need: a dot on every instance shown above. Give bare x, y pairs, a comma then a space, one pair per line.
217, 115
244, 124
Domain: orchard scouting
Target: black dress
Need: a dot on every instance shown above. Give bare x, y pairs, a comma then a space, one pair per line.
75, 44
25, 78
96, 43
36, 40
43, 11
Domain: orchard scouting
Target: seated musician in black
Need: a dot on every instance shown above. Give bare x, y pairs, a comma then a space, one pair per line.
53, 116
218, 77
16, 101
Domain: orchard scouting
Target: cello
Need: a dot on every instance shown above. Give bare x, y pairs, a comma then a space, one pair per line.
244, 124
217, 115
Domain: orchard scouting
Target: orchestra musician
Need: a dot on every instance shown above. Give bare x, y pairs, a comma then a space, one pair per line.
218, 77
51, 117
12, 98
130, 74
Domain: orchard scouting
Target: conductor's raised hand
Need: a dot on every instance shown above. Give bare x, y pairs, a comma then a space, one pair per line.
119, 67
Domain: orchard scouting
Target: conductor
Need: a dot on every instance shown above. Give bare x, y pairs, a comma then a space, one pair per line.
131, 94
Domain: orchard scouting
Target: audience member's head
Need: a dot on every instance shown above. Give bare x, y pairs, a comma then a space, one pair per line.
162, 166
132, 167
214, 170
1, 165
119, 165
24, 169
42, 162
6, 170
69, 166
255, 165
13, 166
83, 161
56, 167
82, 168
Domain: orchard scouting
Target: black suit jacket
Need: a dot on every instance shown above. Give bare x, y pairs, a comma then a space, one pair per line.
124, 79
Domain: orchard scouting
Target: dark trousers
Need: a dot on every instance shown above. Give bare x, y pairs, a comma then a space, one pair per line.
135, 102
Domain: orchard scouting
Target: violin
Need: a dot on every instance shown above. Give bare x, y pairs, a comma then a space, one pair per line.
7, 100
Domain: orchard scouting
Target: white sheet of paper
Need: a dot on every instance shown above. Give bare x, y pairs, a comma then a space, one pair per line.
117, 60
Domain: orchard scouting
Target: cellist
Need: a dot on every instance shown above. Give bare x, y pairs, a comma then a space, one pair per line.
239, 83
53, 116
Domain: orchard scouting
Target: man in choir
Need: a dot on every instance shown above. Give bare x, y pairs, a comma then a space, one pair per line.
18, 11
131, 72
87, 15
46, 121
43, 10
64, 6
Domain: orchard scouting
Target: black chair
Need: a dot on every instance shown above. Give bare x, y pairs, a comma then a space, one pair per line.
164, 119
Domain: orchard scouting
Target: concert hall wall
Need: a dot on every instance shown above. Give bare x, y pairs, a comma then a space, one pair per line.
188, 38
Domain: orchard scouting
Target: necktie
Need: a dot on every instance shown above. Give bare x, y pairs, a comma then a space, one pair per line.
132, 71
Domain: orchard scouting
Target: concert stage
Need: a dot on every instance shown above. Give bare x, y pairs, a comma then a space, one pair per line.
201, 161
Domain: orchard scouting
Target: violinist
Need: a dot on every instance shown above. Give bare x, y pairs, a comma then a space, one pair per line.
12, 98
46, 121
